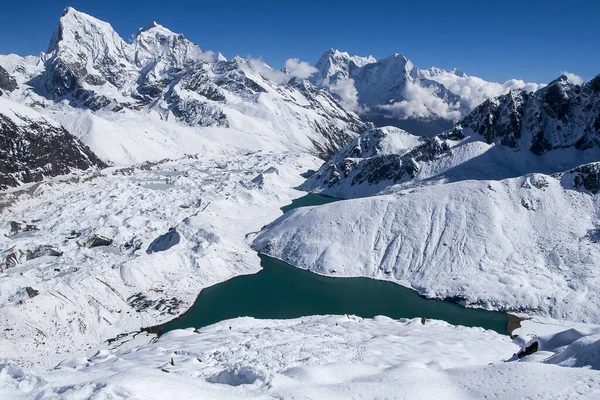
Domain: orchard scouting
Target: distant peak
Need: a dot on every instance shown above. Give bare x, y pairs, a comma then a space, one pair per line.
154, 24
155, 27
69, 10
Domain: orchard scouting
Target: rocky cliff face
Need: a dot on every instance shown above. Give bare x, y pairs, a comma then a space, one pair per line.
33, 147
7, 82
558, 116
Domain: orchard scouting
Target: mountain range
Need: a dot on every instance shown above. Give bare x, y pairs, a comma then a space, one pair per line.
96, 84
134, 174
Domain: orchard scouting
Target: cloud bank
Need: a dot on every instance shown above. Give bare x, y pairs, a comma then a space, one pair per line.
575, 79
299, 69
422, 102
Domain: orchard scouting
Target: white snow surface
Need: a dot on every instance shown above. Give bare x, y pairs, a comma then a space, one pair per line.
212, 203
22, 115
526, 244
320, 357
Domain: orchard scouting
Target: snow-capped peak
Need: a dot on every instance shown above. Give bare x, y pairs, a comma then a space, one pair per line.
155, 42
335, 64
86, 36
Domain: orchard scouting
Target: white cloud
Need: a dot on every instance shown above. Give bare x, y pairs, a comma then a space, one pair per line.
422, 102
348, 94
299, 69
257, 65
575, 79
474, 91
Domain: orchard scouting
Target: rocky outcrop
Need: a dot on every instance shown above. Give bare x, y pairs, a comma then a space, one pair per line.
33, 147
558, 116
7, 82
585, 177
97, 241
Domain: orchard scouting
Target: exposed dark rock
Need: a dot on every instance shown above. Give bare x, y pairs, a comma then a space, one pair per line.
31, 292
528, 350
41, 251
133, 244
33, 149
559, 115
17, 227
585, 176
7, 82
97, 241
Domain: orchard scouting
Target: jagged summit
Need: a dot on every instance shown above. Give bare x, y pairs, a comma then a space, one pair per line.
163, 74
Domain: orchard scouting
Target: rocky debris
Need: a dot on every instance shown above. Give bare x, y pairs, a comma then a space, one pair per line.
11, 259
133, 244
164, 242
17, 227
74, 235
31, 292
42, 251
97, 241
7, 82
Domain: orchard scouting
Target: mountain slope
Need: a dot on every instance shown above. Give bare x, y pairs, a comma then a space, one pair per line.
33, 147
523, 244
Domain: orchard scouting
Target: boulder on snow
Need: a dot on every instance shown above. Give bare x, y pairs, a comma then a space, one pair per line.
41, 251
164, 242
97, 241
17, 227
31, 292
528, 350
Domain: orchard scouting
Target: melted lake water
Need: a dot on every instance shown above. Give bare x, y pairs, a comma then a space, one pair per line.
281, 291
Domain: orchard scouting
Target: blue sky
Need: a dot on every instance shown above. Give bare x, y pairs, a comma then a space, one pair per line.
496, 40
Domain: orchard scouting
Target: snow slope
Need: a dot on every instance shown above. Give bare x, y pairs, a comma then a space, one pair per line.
58, 295
526, 244
333, 357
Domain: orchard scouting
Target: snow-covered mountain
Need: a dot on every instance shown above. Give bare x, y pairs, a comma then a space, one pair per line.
162, 76
393, 91
500, 212
549, 131
33, 147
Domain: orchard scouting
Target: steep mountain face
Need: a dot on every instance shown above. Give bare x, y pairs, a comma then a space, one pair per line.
558, 116
7, 82
162, 74
33, 147
393, 91
335, 65
552, 130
